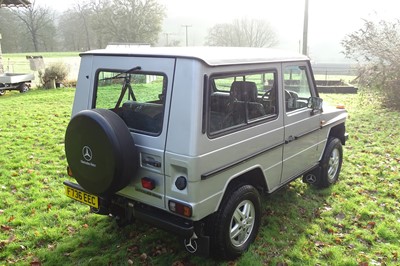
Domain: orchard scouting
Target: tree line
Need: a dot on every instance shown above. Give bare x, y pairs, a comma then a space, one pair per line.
88, 25
93, 24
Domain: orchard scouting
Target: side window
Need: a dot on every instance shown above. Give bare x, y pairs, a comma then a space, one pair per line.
239, 100
297, 87
137, 98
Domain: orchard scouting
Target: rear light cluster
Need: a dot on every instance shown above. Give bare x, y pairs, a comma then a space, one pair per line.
180, 208
148, 183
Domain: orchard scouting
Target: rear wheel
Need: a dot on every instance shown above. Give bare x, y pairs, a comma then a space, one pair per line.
236, 223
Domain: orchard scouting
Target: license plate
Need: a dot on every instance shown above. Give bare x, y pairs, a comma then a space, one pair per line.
82, 196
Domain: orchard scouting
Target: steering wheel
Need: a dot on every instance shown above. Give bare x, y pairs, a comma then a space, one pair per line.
266, 95
288, 95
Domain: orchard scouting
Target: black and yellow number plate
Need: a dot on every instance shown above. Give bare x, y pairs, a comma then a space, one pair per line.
82, 196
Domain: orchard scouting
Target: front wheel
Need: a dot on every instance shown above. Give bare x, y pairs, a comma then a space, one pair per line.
331, 163
236, 223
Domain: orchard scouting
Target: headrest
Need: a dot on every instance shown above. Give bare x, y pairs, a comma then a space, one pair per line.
244, 91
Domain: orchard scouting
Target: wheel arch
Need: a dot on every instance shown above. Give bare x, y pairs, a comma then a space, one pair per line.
253, 177
338, 131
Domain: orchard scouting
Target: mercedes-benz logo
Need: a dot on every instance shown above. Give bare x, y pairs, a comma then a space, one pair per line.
87, 153
190, 246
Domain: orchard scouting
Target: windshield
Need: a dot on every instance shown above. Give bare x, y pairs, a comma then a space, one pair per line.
138, 98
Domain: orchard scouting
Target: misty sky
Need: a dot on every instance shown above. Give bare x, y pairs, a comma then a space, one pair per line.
329, 20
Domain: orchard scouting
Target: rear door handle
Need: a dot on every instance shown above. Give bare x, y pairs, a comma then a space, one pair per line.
152, 162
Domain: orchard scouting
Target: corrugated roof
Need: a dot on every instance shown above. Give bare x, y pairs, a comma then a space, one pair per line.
212, 56
14, 3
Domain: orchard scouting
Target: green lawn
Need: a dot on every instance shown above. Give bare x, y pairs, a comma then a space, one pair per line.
356, 222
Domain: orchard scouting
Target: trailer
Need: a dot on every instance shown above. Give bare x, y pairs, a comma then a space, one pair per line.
15, 81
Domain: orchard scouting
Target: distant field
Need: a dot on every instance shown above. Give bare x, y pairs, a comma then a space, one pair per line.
17, 63
344, 72
335, 68
22, 56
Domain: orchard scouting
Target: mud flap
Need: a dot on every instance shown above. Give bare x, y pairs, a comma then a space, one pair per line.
312, 176
198, 245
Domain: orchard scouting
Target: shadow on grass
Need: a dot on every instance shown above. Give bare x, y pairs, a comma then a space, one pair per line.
287, 214
102, 242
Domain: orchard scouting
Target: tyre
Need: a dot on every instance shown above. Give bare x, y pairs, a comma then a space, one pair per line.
236, 223
2, 91
23, 88
100, 151
330, 164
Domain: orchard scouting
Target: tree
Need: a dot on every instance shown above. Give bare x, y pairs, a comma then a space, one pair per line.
242, 33
72, 33
130, 21
39, 23
14, 40
83, 10
376, 47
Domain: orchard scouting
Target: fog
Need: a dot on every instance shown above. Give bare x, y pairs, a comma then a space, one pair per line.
329, 21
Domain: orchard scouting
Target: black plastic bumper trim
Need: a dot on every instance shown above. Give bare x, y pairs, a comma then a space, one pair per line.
164, 220
151, 215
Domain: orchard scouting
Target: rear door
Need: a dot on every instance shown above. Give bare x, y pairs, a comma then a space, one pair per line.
302, 126
139, 89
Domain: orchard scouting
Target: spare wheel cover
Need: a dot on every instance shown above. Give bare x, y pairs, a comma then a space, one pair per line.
100, 151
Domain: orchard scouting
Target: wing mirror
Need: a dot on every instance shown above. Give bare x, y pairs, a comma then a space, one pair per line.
315, 103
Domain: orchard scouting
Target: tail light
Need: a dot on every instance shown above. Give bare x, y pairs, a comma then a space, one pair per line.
180, 208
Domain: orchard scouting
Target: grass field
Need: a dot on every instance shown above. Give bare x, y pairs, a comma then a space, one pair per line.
356, 222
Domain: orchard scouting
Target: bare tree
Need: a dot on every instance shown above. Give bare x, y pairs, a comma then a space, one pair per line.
83, 9
242, 33
39, 22
134, 21
376, 47
10, 28
71, 32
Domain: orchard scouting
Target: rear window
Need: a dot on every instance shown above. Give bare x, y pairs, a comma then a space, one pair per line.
138, 98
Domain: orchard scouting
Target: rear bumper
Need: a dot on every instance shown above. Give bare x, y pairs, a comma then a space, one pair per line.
157, 217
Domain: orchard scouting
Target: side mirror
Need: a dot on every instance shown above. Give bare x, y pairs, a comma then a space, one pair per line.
315, 103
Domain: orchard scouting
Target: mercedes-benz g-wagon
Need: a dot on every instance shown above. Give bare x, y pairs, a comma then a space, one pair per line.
187, 138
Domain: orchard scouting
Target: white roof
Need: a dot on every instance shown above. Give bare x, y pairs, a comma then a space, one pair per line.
212, 56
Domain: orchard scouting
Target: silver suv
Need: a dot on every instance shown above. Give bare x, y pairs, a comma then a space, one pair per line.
188, 138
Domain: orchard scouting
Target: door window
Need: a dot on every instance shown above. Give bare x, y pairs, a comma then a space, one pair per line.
297, 87
236, 101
